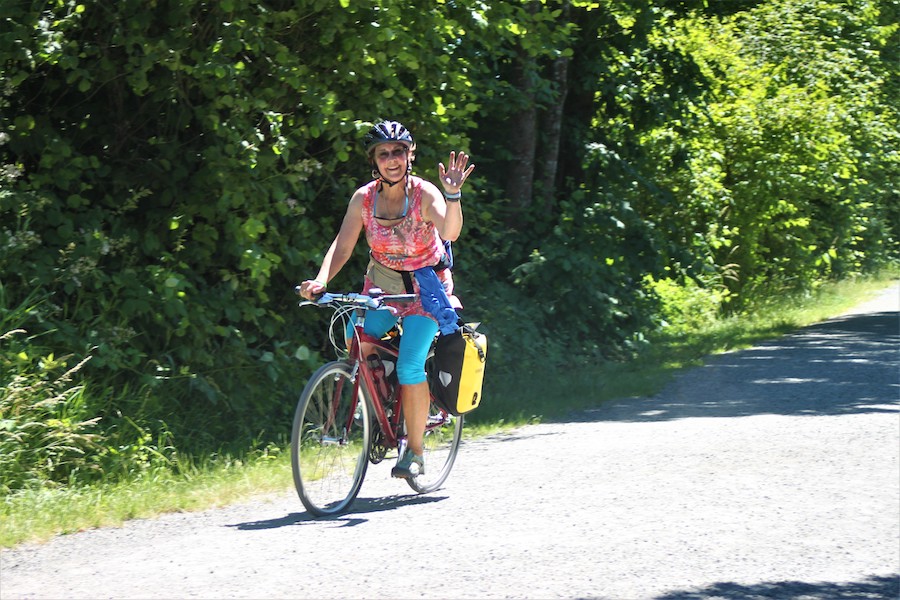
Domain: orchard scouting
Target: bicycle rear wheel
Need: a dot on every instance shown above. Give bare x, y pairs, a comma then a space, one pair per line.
442, 436
330, 440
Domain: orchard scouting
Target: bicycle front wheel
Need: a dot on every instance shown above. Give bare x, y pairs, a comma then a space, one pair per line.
330, 440
442, 436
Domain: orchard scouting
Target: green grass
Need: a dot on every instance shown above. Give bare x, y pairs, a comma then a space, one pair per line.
41, 514
514, 400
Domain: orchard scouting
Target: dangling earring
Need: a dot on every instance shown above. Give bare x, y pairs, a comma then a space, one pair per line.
376, 174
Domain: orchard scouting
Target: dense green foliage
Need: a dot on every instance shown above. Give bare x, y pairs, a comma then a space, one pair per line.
171, 169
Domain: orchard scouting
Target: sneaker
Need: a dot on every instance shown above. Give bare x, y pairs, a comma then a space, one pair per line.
404, 468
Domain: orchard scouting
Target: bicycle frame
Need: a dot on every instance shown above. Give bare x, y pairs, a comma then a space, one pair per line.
390, 425
362, 375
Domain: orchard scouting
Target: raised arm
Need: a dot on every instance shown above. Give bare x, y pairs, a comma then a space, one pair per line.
445, 209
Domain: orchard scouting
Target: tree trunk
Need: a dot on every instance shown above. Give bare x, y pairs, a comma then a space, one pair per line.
522, 141
549, 149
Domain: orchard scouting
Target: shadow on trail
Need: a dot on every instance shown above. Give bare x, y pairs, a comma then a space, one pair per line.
360, 506
847, 365
874, 587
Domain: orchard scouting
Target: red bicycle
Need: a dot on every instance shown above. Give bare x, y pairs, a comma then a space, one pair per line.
350, 413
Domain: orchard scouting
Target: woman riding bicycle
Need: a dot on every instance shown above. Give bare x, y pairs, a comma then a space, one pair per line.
406, 220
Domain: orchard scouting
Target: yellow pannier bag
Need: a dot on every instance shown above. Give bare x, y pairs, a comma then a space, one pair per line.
459, 360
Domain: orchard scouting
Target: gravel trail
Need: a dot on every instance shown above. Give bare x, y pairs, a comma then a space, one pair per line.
772, 472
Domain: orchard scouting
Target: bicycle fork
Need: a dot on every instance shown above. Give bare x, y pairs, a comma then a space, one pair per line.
354, 418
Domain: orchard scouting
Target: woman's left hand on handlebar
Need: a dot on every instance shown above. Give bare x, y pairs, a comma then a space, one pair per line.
453, 176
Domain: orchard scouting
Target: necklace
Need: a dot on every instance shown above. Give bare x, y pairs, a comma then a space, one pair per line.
405, 207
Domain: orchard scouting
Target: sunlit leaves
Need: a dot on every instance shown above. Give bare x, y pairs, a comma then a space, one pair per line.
773, 151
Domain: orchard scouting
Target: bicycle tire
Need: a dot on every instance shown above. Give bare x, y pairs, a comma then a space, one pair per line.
441, 445
329, 444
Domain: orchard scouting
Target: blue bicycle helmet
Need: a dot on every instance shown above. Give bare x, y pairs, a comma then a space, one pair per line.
388, 131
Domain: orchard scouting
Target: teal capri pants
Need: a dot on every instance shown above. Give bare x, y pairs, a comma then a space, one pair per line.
418, 333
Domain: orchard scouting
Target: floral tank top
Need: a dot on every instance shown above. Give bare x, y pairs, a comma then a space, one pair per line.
405, 245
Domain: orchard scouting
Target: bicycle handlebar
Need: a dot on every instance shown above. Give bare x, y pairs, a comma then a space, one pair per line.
375, 300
